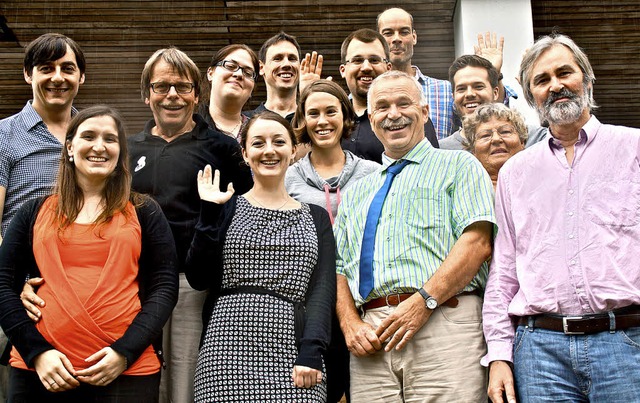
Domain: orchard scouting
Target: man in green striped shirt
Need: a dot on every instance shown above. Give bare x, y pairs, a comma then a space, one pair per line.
417, 336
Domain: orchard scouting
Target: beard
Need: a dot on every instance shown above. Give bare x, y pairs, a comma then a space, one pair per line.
564, 112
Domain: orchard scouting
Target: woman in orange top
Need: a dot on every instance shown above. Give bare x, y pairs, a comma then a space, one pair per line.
109, 264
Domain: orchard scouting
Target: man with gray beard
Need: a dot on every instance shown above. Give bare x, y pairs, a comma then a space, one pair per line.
412, 239
562, 305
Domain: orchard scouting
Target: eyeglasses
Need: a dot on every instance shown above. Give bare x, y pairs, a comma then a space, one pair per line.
163, 88
232, 66
503, 132
373, 60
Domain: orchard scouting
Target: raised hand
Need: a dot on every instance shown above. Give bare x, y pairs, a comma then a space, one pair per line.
209, 188
490, 48
311, 69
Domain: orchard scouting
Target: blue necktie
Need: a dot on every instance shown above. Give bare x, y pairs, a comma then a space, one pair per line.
370, 228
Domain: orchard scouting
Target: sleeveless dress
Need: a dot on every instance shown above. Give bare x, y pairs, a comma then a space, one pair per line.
249, 348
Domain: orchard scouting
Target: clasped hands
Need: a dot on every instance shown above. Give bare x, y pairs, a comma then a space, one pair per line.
396, 330
54, 369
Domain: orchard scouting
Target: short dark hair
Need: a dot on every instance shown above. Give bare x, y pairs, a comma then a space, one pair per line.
365, 35
331, 88
279, 37
473, 61
50, 47
266, 115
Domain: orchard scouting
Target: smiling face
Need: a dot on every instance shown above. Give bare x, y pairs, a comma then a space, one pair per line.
359, 77
232, 85
281, 67
55, 84
324, 120
268, 149
95, 149
173, 112
472, 88
558, 88
397, 118
496, 141
395, 25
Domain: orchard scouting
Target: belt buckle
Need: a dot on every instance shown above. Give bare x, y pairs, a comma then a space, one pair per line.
386, 299
566, 322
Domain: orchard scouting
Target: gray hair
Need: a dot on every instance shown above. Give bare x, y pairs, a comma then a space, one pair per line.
395, 75
542, 45
485, 113
178, 60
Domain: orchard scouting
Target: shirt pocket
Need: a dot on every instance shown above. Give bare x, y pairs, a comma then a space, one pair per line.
614, 202
424, 209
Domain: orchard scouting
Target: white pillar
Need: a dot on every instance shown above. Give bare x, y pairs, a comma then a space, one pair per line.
509, 18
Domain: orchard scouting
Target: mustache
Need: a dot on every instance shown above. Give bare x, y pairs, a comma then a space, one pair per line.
563, 93
401, 121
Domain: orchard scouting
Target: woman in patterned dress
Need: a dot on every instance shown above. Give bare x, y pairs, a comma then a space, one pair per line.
269, 263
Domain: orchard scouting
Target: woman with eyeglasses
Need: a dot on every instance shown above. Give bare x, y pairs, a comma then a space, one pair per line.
232, 74
111, 282
495, 133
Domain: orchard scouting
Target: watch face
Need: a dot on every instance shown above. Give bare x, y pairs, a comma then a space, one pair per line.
432, 303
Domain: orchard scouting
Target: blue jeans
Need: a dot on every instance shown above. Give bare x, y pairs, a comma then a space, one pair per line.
550, 366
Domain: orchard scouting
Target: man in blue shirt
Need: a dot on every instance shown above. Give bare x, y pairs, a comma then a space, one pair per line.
31, 140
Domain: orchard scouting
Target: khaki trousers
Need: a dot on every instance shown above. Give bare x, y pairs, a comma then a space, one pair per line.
180, 341
440, 364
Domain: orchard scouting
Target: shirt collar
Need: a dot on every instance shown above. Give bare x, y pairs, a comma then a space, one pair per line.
417, 154
419, 76
32, 118
198, 131
585, 136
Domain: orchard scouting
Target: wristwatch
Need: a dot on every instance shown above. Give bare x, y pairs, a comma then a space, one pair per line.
429, 301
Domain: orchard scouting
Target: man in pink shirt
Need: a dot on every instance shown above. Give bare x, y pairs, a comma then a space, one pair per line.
562, 304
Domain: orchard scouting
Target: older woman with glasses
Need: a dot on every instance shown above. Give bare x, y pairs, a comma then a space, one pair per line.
495, 133
232, 73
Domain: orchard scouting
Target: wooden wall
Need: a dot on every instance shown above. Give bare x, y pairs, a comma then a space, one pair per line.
609, 32
119, 36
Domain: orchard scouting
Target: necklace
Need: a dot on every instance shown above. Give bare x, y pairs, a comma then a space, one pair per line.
233, 129
265, 207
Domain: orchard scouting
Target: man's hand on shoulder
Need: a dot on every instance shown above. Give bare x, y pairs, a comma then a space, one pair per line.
405, 321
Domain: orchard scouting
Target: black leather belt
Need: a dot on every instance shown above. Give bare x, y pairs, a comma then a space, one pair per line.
585, 324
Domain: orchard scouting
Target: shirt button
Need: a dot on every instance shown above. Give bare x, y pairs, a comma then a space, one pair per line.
573, 262
570, 236
571, 191
570, 213
389, 215
388, 238
393, 194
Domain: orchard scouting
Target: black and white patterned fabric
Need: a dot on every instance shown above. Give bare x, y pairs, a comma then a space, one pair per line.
249, 347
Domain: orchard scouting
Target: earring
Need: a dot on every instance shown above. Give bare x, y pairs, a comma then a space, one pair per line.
71, 158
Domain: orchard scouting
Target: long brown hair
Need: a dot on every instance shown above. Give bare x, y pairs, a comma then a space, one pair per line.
117, 190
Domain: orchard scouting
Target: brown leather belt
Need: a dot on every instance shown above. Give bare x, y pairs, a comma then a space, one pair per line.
585, 324
396, 299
